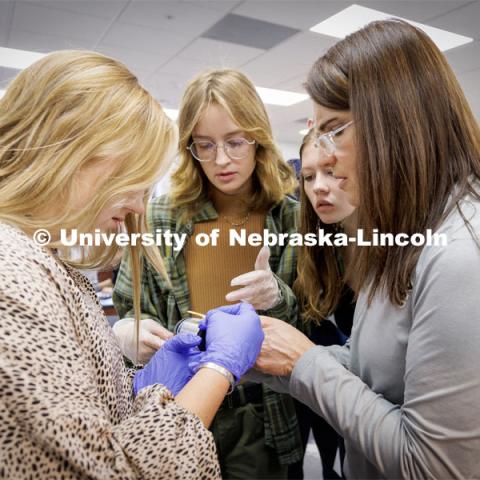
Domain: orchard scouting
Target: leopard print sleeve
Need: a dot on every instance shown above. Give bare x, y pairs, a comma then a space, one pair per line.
66, 403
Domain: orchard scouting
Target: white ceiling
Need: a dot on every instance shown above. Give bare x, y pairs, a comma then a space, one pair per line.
161, 41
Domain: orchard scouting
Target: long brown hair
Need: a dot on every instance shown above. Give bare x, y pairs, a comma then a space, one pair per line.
232, 90
417, 141
319, 283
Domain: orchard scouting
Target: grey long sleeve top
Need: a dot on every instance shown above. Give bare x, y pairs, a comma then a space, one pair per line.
405, 395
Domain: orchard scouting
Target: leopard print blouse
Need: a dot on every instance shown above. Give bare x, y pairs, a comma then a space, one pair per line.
66, 404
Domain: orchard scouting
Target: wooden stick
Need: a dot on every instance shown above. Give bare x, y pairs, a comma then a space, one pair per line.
191, 312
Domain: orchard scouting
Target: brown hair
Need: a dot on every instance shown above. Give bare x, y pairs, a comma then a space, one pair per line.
272, 179
417, 141
320, 281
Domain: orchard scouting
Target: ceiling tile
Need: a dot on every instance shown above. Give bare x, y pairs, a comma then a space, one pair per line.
106, 9
299, 14
146, 39
166, 88
295, 84
249, 32
140, 62
42, 42
465, 21
193, 18
6, 15
464, 58
293, 57
470, 82
184, 68
220, 54
280, 115
30, 17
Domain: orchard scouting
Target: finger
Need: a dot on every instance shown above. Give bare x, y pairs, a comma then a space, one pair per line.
265, 321
261, 263
246, 307
156, 329
152, 341
193, 365
183, 342
247, 278
146, 354
246, 293
230, 309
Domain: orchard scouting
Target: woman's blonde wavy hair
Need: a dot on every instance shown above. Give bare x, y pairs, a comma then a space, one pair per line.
69, 109
232, 90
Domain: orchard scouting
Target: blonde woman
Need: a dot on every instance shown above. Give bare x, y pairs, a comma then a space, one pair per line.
230, 177
80, 144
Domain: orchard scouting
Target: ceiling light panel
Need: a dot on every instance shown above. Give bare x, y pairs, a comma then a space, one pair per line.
13, 58
355, 17
283, 98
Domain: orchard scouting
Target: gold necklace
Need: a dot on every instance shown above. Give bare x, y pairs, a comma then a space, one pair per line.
241, 222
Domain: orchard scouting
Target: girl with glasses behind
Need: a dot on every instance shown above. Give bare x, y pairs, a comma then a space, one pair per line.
230, 176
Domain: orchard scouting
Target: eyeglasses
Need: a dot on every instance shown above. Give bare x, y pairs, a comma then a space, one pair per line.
326, 141
205, 151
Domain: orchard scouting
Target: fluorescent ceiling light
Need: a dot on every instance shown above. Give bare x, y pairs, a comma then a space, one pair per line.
304, 131
13, 58
280, 97
2, 93
355, 17
171, 113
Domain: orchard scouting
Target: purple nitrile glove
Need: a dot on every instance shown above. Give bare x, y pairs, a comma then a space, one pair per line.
234, 338
169, 365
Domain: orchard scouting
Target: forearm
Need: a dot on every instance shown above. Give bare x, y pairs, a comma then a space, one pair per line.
279, 384
364, 418
341, 353
200, 401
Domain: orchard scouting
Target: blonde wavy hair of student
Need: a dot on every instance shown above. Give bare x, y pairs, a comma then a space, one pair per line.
57, 116
232, 90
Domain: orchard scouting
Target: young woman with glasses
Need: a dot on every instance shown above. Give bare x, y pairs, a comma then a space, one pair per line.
230, 176
404, 394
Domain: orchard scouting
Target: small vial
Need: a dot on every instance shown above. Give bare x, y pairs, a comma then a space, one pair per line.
191, 325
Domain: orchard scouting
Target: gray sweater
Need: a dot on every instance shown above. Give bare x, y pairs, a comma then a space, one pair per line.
405, 394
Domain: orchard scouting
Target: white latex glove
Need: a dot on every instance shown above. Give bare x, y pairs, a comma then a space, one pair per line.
260, 287
152, 337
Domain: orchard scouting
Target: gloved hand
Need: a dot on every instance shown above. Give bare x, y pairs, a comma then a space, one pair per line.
233, 340
169, 366
152, 337
260, 285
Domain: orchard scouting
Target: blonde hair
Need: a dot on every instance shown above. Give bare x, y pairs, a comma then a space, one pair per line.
232, 90
69, 109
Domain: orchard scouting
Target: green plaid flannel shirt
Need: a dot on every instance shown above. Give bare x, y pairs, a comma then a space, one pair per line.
169, 305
